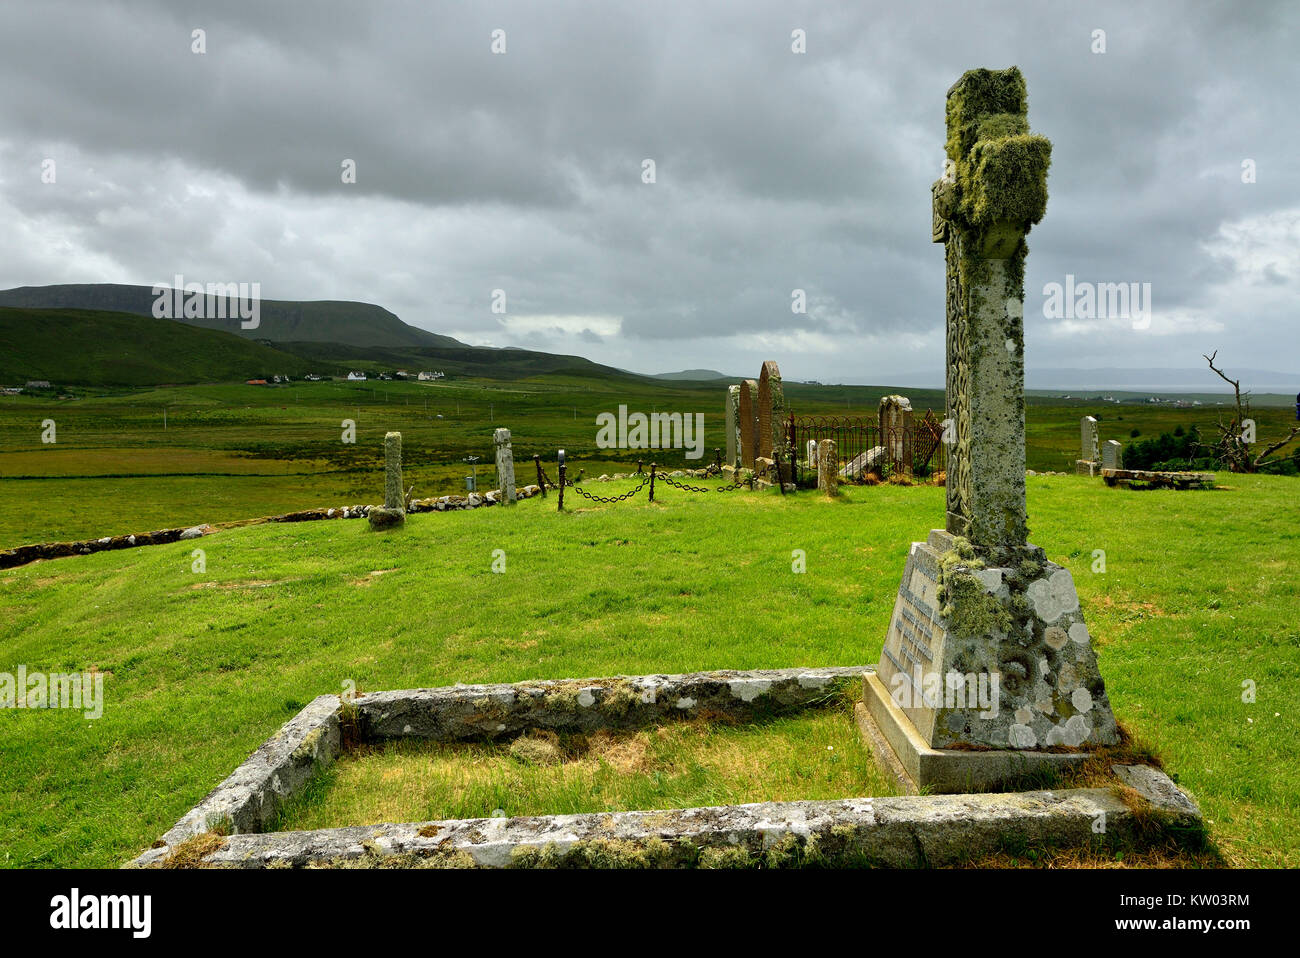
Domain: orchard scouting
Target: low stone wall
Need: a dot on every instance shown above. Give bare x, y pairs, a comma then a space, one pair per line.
21, 555
583, 705
902, 832
58, 550
249, 799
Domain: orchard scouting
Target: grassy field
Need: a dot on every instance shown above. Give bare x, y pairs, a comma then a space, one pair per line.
1200, 594
686, 765
231, 452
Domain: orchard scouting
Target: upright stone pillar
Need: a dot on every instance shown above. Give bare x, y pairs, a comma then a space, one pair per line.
731, 424
772, 414
393, 511
748, 423
987, 661
828, 467
1088, 461
1111, 454
505, 466
895, 415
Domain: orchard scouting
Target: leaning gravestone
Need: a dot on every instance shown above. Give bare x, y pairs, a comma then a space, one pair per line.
731, 423
393, 511
748, 423
505, 467
988, 660
895, 415
828, 462
1088, 455
1111, 454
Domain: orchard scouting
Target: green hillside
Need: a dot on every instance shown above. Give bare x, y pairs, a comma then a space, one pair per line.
96, 348
358, 324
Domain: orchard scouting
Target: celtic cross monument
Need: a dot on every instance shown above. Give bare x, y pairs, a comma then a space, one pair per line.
987, 662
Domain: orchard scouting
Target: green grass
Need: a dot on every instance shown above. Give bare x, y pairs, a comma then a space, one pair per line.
232, 451
809, 756
1200, 594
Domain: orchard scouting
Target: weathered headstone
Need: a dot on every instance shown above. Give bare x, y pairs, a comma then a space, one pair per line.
505, 466
393, 511
748, 423
895, 415
828, 461
987, 658
811, 457
771, 413
1111, 454
1089, 457
731, 424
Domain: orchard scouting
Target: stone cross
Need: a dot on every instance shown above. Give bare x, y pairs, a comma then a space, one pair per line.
748, 423
731, 422
505, 466
994, 188
988, 651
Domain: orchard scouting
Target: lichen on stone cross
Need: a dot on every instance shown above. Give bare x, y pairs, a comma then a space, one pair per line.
394, 497
994, 189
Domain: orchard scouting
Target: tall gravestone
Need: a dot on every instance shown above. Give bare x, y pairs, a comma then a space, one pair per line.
1088, 454
771, 414
731, 424
505, 466
895, 416
748, 412
987, 662
393, 511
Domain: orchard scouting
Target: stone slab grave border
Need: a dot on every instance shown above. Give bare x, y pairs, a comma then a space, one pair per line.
899, 831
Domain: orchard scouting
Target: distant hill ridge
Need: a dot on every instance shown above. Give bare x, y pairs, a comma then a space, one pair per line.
693, 374
325, 321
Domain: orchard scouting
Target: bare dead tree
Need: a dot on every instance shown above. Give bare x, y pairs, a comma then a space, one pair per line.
1231, 449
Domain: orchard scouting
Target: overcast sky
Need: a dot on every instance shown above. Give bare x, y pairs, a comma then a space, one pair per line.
775, 170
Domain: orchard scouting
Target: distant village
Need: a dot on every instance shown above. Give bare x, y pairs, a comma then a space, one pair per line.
44, 385
354, 376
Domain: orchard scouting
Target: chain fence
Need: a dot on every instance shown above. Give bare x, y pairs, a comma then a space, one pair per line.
545, 482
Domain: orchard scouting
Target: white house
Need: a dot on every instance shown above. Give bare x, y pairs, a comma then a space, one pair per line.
357, 376
427, 377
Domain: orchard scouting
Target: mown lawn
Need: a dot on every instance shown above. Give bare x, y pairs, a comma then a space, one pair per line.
1200, 593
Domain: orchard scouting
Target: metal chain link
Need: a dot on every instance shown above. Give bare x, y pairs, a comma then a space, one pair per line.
594, 498
662, 477
690, 488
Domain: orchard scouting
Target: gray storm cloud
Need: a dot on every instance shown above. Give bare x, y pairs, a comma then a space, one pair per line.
774, 170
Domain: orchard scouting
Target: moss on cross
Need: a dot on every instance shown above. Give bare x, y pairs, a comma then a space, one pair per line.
999, 168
